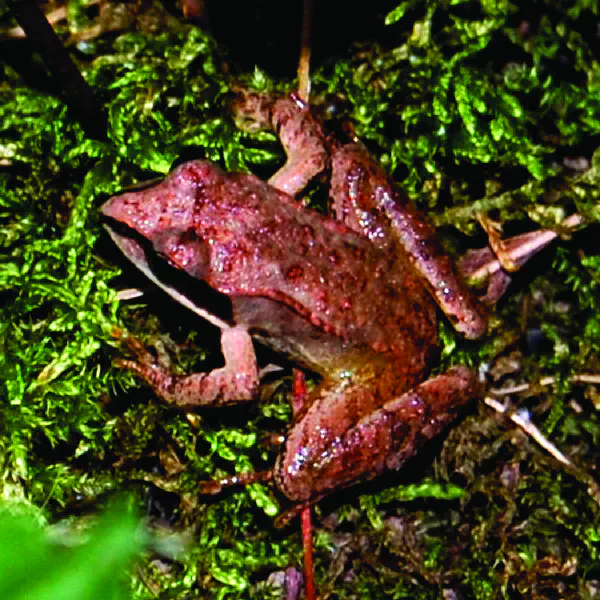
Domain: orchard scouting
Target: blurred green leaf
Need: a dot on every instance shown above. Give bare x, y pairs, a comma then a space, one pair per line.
68, 565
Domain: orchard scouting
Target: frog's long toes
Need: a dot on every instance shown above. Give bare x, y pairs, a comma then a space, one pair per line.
135, 346
149, 371
146, 358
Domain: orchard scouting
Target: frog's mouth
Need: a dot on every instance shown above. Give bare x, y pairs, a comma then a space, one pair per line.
135, 251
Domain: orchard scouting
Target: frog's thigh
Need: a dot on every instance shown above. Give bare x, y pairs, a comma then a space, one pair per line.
380, 441
398, 429
423, 412
236, 381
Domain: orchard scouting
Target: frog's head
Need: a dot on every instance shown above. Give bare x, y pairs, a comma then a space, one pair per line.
167, 206
163, 216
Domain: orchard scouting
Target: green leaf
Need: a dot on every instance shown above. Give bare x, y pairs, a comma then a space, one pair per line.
67, 566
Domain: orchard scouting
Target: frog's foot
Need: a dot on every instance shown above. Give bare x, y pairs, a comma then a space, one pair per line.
236, 381
480, 266
504, 256
330, 448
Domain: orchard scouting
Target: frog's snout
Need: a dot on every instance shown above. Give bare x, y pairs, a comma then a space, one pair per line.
122, 209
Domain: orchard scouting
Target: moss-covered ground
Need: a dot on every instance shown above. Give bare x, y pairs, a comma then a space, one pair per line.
474, 106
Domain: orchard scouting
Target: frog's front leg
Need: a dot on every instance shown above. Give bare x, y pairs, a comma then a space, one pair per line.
333, 446
236, 381
365, 199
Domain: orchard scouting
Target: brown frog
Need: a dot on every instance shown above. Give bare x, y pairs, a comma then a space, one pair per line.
351, 299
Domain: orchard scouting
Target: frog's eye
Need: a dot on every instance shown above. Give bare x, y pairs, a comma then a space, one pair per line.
183, 250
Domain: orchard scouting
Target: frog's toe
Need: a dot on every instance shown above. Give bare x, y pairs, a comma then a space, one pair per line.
148, 369
158, 356
135, 346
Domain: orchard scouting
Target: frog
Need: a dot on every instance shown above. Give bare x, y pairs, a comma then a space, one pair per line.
352, 297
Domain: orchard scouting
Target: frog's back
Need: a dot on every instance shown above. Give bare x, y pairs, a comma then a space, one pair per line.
265, 244
249, 240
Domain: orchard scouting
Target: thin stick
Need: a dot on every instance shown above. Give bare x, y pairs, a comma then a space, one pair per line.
129, 294
304, 62
299, 394
78, 95
299, 385
523, 387
521, 418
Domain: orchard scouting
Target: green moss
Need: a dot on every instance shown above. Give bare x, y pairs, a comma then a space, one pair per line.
472, 106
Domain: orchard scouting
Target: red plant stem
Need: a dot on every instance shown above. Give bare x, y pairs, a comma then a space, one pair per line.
298, 398
298, 387
309, 577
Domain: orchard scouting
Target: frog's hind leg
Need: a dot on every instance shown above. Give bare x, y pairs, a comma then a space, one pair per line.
328, 451
366, 200
235, 382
